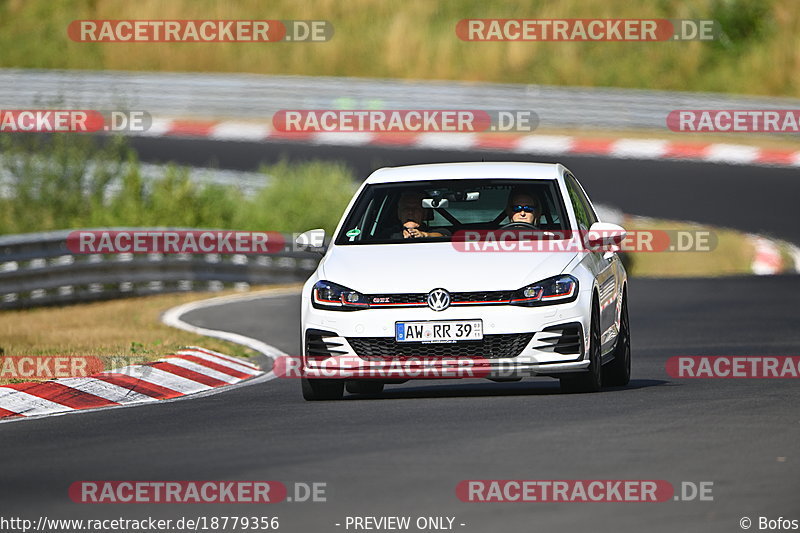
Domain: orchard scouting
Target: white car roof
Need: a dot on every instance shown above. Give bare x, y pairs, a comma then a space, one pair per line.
466, 171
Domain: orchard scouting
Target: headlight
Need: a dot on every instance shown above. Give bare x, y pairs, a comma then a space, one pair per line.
555, 290
327, 295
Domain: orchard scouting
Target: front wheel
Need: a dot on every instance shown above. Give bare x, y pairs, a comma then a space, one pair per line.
618, 372
592, 380
322, 389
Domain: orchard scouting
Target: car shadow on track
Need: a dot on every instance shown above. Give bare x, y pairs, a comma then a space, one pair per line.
466, 390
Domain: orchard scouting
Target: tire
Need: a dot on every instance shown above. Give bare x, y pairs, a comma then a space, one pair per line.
322, 389
618, 372
367, 386
592, 380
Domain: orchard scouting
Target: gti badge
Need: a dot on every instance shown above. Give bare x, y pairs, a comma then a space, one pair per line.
438, 299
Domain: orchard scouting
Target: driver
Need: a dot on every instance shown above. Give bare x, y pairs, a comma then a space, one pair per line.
523, 207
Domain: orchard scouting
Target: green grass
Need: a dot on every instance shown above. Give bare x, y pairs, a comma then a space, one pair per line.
415, 39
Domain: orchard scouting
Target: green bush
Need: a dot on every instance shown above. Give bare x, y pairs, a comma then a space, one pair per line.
300, 197
55, 182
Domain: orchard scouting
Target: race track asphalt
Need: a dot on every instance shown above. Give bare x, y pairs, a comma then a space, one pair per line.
404, 453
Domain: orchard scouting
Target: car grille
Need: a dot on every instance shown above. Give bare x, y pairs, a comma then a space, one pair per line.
485, 297
396, 299
491, 347
456, 298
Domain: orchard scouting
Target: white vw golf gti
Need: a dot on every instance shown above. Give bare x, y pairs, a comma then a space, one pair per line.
490, 270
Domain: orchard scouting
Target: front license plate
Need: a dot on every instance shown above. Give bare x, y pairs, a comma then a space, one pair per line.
439, 331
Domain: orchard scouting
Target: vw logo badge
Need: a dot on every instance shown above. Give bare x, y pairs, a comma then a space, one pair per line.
438, 299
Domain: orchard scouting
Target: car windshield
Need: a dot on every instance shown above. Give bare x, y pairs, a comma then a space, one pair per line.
439, 210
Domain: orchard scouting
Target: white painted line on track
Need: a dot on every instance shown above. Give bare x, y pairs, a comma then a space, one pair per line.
195, 367
227, 364
107, 391
162, 378
23, 403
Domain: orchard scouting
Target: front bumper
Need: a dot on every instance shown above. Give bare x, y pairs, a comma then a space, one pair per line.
346, 334
342, 368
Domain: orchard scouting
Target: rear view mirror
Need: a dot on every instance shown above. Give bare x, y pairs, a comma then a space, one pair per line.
434, 203
441, 198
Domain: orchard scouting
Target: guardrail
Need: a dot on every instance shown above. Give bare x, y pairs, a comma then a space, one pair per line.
253, 96
37, 269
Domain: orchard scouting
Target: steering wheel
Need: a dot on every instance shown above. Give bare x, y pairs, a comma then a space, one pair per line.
518, 225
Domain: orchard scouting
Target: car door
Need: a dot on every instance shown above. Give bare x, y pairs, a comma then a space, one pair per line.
602, 264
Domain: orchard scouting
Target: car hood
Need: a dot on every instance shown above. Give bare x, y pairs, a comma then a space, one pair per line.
422, 267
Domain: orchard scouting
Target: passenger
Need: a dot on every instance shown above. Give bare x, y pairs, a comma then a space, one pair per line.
413, 217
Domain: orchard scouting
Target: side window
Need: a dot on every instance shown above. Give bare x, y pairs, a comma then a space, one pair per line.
577, 196
587, 205
577, 204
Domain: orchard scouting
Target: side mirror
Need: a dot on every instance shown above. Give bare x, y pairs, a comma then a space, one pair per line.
312, 240
605, 236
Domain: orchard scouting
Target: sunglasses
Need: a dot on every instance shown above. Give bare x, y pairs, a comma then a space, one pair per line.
520, 208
